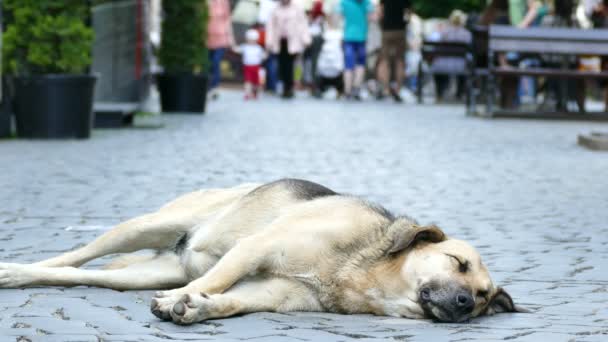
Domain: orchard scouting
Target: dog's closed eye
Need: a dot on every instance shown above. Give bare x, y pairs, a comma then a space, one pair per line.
463, 265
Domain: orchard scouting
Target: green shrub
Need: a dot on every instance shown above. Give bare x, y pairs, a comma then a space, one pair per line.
184, 31
46, 36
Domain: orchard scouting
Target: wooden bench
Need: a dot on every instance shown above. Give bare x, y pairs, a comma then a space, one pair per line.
434, 49
537, 41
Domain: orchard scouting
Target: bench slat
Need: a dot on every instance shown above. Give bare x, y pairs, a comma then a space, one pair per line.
553, 33
564, 73
548, 46
549, 40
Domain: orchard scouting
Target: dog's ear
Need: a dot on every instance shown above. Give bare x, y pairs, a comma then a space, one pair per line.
405, 234
502, 302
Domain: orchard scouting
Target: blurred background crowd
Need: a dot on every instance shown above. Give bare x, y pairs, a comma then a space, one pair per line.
359, 49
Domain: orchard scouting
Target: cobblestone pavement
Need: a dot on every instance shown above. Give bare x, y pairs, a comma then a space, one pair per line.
533, 203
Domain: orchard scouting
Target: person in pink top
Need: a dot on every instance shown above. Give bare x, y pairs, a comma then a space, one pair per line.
287, 35
219, 38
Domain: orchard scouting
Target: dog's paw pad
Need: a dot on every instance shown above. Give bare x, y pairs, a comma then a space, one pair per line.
161, 307
191, 308
179, 308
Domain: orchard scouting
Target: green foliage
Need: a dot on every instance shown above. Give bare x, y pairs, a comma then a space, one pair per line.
184, 32
442, 8
46, 36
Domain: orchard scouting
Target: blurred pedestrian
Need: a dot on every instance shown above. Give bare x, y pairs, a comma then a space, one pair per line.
330, 64
316, 20
453, 32
287, 35
270, 65
560, 92
497, 12
219, 38
392, 53
253, 56
526, 13
356, 14
597, 12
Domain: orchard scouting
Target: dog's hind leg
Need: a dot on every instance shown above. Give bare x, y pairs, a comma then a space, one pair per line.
249, 295
159, 230
162, 272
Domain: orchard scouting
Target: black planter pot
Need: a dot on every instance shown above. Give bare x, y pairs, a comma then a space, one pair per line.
6, 110
5, 119
182, 93
54, 106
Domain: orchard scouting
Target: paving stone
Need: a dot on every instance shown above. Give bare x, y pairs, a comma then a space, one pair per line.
522, 192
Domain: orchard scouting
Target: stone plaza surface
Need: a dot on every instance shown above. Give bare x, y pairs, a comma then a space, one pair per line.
522, 192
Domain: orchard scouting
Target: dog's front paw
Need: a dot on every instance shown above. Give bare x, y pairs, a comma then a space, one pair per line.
181, 309
191, 308
15, 276
162, 304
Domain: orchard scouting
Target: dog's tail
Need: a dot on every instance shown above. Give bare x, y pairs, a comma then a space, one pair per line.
127, 260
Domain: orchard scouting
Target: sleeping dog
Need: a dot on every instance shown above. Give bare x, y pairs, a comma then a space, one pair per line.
289, 245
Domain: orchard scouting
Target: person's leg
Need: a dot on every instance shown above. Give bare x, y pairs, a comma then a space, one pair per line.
286, 69
307, 74
271, 72
382, 70
255, 81
349, 66
288, 81
248, 90
212, 70
383, 76
246, 82
321, 86
317, 44
361, 59
399, 63
339, 84
215, 58
282, 61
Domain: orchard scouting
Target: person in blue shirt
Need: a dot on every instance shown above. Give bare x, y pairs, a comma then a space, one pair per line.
356, 14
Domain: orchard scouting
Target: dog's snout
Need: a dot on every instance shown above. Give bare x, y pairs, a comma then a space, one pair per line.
465, 302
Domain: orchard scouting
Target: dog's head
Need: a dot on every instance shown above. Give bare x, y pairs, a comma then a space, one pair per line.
445, 278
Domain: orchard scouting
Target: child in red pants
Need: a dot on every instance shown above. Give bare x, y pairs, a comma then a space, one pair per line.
253, 56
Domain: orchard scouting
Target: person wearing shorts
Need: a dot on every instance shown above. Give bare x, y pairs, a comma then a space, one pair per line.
253, 56
356, 14
392, 52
